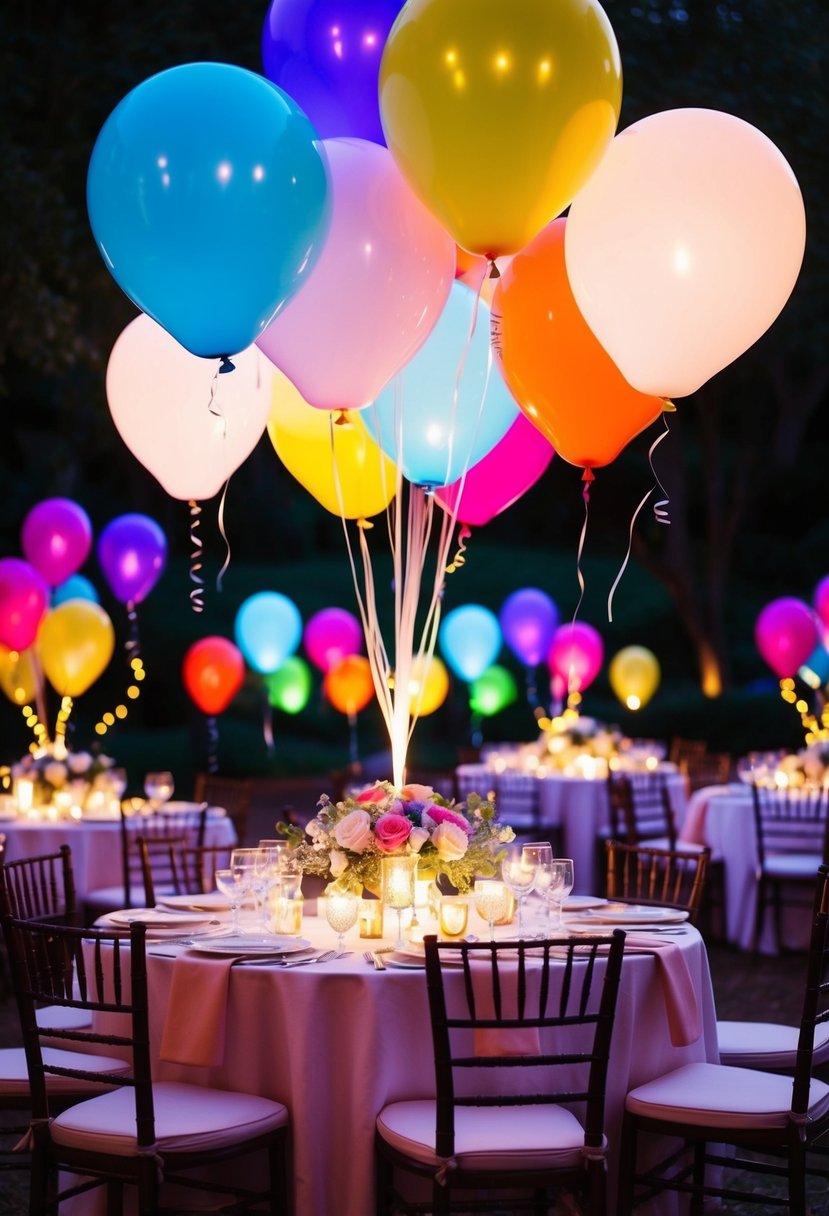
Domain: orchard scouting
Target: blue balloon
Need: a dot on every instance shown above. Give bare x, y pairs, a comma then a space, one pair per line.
417, 421
529, 620
326, 54
76, 587
469, 639
208, 196
268, 629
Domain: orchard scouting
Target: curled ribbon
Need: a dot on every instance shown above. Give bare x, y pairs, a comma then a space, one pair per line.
196, 549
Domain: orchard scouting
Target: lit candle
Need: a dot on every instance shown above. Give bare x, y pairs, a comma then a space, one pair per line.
24, 792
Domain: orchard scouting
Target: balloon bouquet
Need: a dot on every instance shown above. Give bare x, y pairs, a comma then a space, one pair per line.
787, 634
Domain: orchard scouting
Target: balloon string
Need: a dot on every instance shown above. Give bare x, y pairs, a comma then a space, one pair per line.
660, 513
212, 744
453, 414
133, 642
587, 478
196, 551
459, 559
660, 507
223, 534
267, 723
214, 406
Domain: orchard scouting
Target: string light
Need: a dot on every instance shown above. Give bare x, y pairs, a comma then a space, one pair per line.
133, 692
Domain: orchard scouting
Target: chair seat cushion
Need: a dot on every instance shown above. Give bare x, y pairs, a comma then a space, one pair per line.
766, 1044
63, 1017
792, 865
718, 1096
188, 1118
14, 1075
487, 1137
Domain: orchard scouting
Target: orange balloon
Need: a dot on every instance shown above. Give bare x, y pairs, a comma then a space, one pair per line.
554, 366
348, 685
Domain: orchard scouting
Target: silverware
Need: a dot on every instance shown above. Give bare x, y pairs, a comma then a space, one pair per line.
325, 957
373, 957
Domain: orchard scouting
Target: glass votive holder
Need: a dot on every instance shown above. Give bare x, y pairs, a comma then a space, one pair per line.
509, 909
453, 915
371, 917
290, 914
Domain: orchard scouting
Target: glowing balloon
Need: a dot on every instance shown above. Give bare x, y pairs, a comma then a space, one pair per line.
18, 675
56, 538
821, 600
428, 686
529, 619
376, 291
289, 687
348, 685
498, 113
208, 198
76, 587
335, 459
501, 477
24, 596
75, 644
469, 639
132, 552
330, 635
188, 425
213, 671
493, 691
786, 633
268, 628
672, 272
576, 654
634, 675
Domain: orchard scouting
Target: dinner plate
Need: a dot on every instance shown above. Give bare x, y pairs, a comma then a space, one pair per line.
211, 901
251, 944
157, 917
634, 914
578, 903
396, 958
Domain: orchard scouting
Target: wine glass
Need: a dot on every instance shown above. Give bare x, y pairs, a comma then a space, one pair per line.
159, 788
242, 863
561, 884
342, 908
518, 872
230, 883
398, 880
540, 854
490, 902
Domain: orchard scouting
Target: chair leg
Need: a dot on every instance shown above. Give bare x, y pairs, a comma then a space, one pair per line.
698, 1197
797, 1180
627, 1165
383, 1179
278, 1173
441, 1200
148, 1186
115, 1198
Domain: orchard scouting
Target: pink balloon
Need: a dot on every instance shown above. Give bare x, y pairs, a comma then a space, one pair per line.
332, 634
576, 655
376, 290
56, 538
24, 597
821, 600
505, 473
786, 633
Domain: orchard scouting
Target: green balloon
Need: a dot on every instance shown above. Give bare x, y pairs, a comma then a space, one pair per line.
289, 687
493, 691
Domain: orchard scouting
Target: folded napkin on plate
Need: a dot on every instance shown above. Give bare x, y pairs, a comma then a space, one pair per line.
501, 1041
680, 998
194, 1029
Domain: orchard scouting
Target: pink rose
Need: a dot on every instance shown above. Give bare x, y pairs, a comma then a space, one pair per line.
416, 793
442, 814
392, 832
450, 841
374, 793
353, 832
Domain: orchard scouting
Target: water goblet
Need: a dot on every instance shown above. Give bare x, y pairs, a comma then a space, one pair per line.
342, 907
243, 862
230, 884
518, 873
540, 854
398, 882
159, 788
490, 902
561, 884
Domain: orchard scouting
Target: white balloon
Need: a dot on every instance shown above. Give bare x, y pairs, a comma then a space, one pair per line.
189, 426
684, 245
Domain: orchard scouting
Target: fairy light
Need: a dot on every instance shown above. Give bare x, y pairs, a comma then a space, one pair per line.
133, 692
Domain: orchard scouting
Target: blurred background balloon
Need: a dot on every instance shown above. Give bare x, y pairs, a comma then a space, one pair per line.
132, 552
492, 691
470, 639
24, 596
576, 654
56, 538
330, 635
213, 671
529, 619
18, 675
348, 685
786, 633
76, 587
501, 477
267, 629
634, 675
820, 599
428, 685
75, 644
289, 687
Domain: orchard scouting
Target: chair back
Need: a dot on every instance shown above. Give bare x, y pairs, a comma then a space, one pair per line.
668, 878
41, 887
174, 867
518, 802
640, 807
187, 826
816, 997
474, 779
234, 794
508, 988
792, 820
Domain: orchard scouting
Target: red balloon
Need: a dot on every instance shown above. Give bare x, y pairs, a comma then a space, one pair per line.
213, 671
24, 598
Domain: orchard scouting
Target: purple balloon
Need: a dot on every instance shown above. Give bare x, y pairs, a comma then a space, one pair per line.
576, 655
56, 538
326, 54
528, 619
132, 551
821, 600
332, 634
24, 597
786, 633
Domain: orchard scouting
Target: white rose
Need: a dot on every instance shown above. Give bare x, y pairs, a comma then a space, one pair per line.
417, 839
353, 832
338, 863
79, 762
450, 841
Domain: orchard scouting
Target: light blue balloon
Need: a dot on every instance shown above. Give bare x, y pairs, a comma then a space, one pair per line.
76, 587
416, 420
268, 629
469, 640
209, 199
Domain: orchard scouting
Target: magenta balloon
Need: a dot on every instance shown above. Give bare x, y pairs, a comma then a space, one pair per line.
505, 473
56, 538
332, 634
24, 597
821, 600
786, 633
132, 550
576, 655
528, 620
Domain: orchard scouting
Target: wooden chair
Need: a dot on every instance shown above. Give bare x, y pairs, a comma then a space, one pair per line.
234, 794
141, 1133
512, 1135
773, 1122
41, 887
669, 878
517, 798
792, 828
711, 768
174, 867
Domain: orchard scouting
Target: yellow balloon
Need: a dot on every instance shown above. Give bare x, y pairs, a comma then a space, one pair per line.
428, 686
498, 111
339, 464
75, 644
18, 675
634, 676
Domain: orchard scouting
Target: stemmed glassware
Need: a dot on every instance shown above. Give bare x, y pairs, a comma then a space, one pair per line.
342, 908
561, 884
540, 854
159, 789
490, 902
243, 865
518, 872
231, 884
398, 880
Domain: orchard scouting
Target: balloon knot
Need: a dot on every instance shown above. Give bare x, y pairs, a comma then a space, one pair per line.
668, 406
227, 365
494, 272
365, 524
342, 419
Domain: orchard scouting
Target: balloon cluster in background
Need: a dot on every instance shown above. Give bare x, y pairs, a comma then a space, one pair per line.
793, 639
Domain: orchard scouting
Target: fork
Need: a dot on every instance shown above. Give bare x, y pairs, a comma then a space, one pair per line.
374, 959
325, 957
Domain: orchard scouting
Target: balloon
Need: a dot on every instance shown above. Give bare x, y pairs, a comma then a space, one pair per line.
330, 635
428, 686
213, 671
786, 633
634, 675
493, 691
564, 381
674, 274
18, 675
289, 687
132, 552
576, 654
56, 538
24, 595
348, 685
821, 600
529, 619
268, 629
189, 426
498, 113
501, 477
469, 639
208, 199
335, 460
449, 406
376, 291
75, 645
76, 587
815, 670
326, 55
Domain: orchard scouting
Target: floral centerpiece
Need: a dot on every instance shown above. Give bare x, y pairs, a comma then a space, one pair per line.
76, 773
809, 766
347, 840
567, 741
